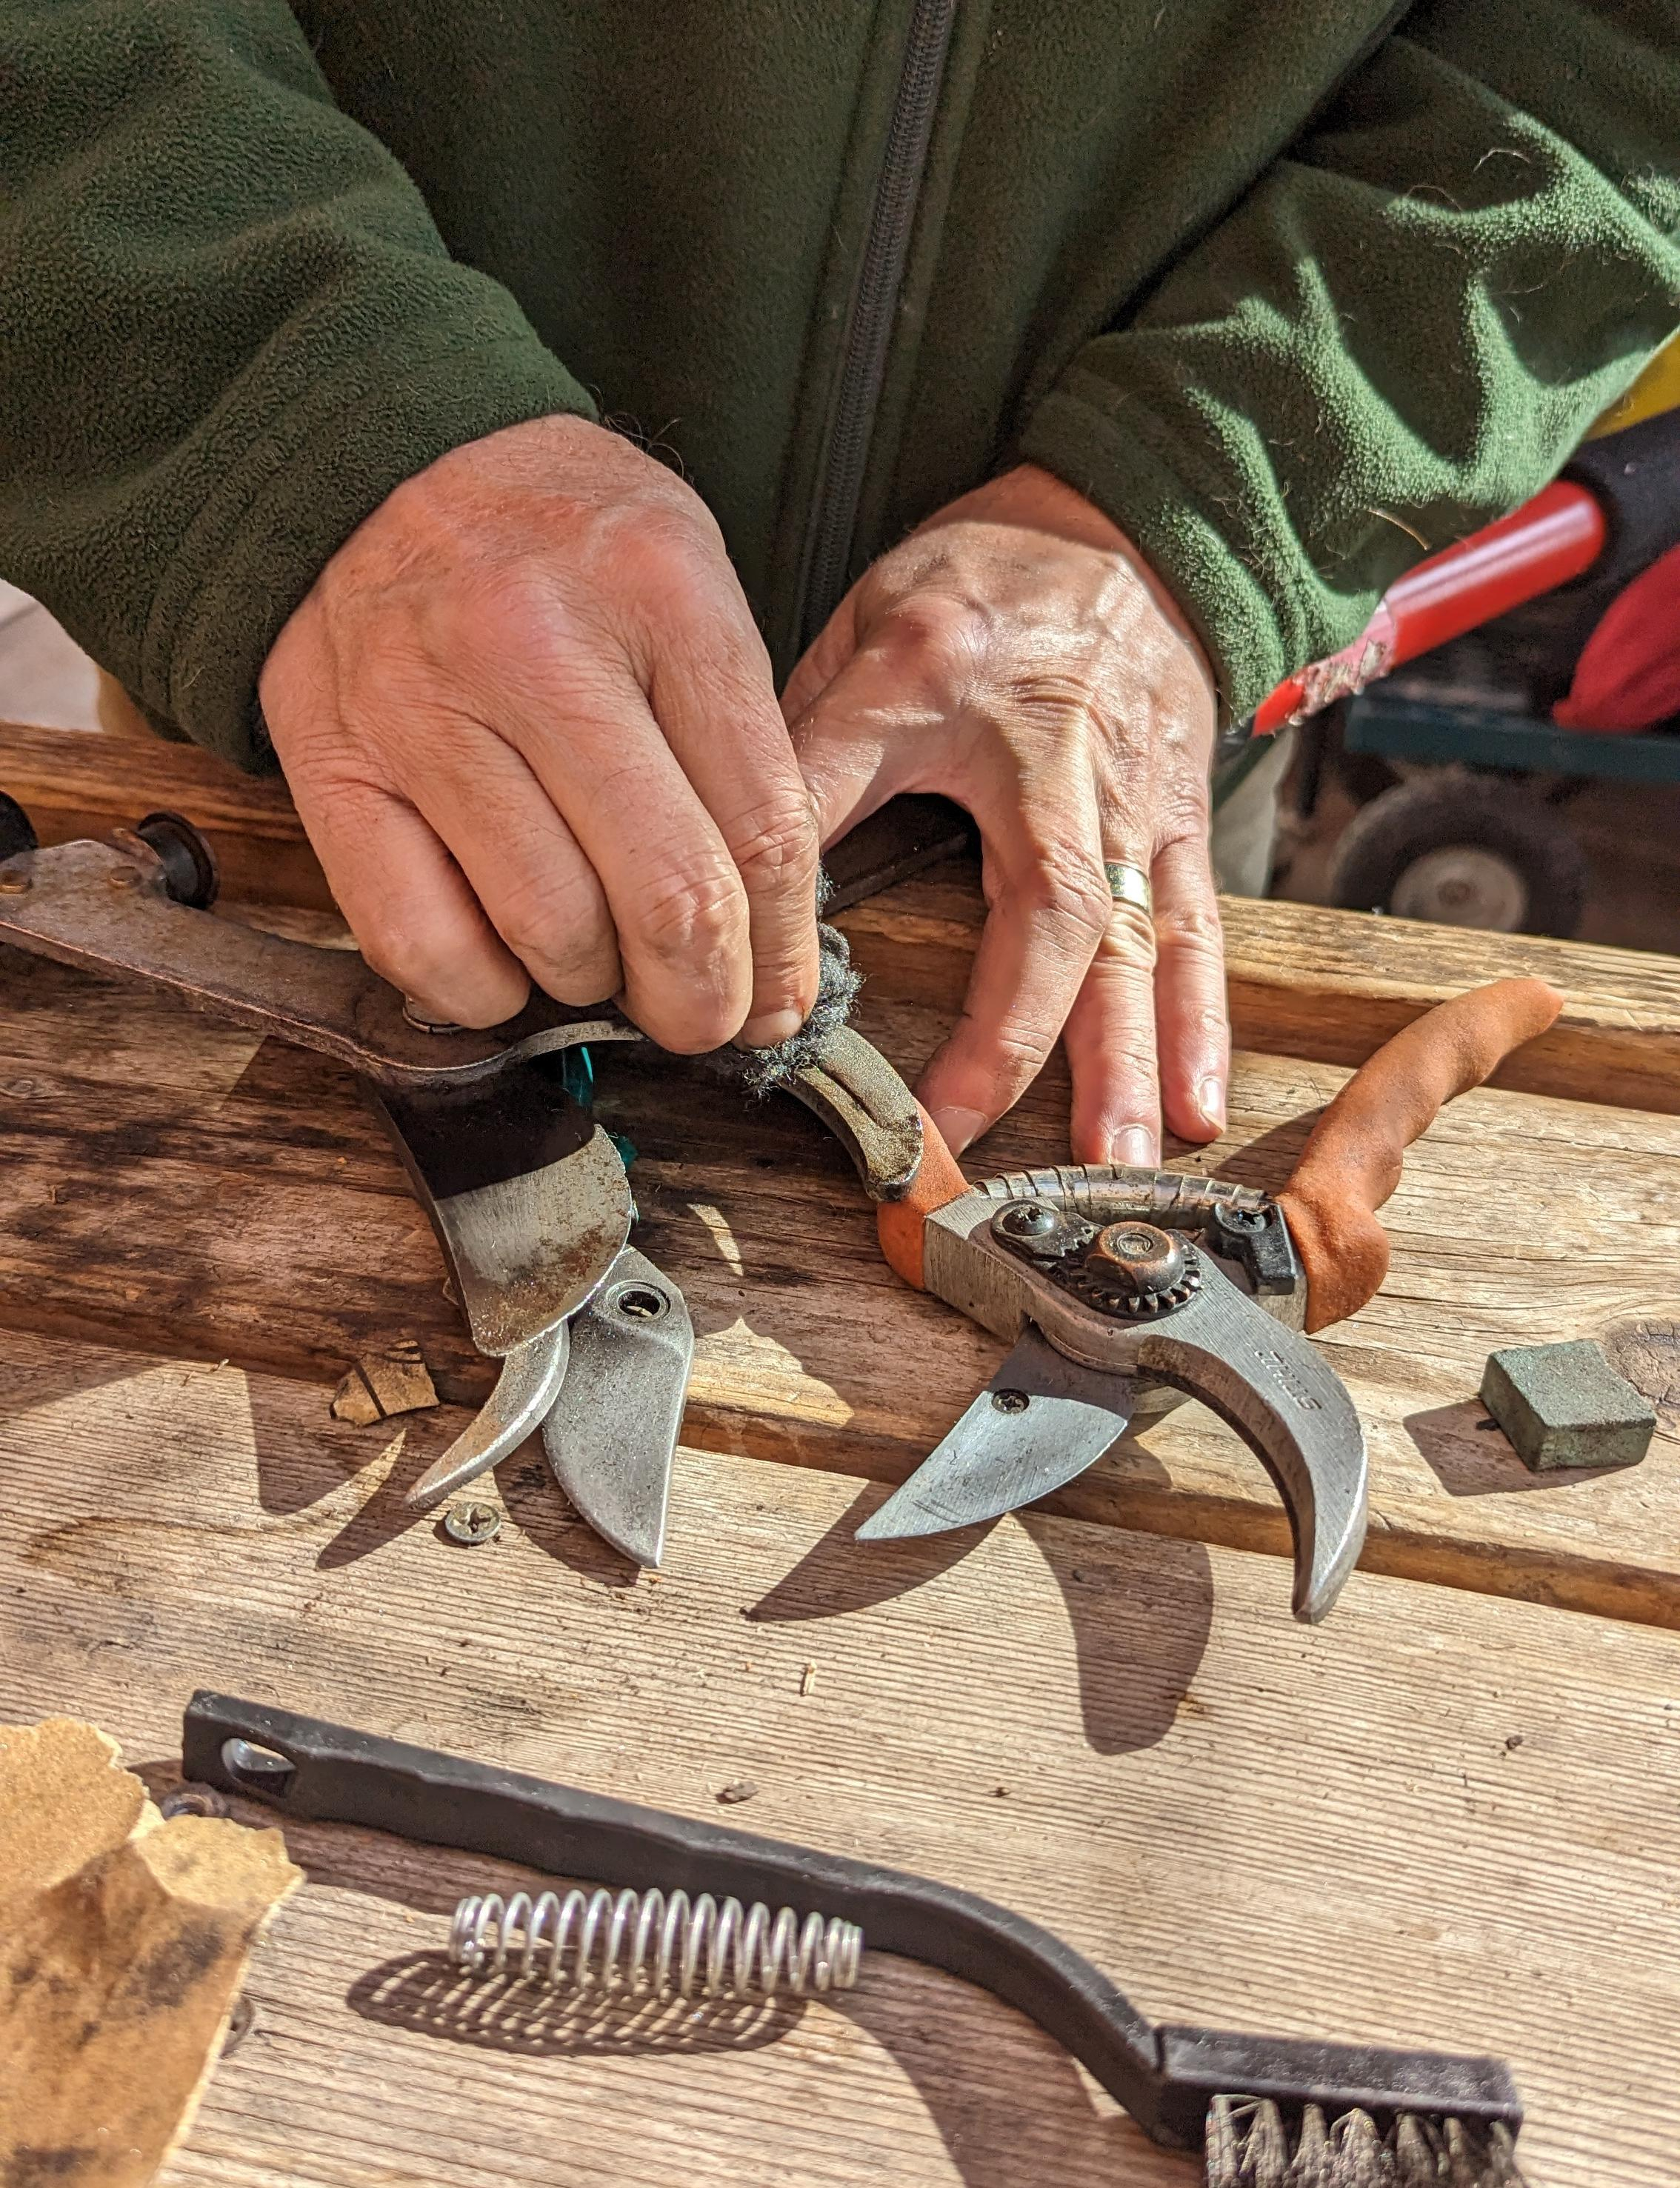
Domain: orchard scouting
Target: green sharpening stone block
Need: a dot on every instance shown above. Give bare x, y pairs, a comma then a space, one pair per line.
1564, 1405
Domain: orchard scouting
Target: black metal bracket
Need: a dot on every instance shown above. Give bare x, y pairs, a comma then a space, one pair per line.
1258, 1241
1165, 2076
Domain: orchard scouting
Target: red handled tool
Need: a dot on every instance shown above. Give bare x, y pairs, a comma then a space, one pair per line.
1558, 536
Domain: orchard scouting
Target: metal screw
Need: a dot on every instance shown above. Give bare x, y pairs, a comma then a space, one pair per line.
472, 1523
191, 1799
1120, 1243
123, 877
1027, 1219
1243, 1219
1010, 1401
13, 884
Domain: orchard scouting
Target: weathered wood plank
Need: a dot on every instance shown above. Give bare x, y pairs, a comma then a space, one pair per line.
1303, 980
1438, 1819
151, 1193
74, 782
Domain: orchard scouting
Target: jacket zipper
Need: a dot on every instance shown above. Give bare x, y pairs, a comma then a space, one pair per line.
869, 330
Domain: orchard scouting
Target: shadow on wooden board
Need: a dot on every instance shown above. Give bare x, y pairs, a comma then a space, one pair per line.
1137, 1650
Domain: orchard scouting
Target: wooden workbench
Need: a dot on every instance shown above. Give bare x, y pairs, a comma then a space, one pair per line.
1448, 1817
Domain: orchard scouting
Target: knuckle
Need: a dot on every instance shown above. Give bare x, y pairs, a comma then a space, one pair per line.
1026, 1049
583, 981
1068, 699
389, 943
777, 844
509, 609
1193, 925
558, 919
450, 980
1128, 946
1202, 1023
1185, 821
941, 624
390, 954
690, 915
495, 634
694, 1030
1067, 884
662, 540
1020, 1049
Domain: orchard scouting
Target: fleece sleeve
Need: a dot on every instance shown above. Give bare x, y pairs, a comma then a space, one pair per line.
1400, 332
228, 328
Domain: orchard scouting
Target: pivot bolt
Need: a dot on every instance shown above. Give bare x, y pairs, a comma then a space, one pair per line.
193, 1800
1136, 1268
1010, 1401
639, 1303
1148, 1260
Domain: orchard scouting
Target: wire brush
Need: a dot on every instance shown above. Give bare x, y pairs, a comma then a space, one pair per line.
1249, 2146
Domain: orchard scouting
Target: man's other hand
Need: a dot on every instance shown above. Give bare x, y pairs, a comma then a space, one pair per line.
531, 729
1015, 654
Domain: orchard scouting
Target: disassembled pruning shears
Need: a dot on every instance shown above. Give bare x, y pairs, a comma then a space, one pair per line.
1120, 1290
526, 1193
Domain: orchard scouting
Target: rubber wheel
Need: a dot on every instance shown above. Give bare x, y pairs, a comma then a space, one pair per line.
1464, 854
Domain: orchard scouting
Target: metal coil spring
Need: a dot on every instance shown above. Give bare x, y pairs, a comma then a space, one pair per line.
649, 1942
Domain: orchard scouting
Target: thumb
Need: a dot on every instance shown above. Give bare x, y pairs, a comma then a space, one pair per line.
860, 742
822, 660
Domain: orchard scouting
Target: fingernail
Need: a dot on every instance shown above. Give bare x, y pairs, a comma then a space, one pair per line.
1210, 1101
1138, 1147
957, 1127
770, 1030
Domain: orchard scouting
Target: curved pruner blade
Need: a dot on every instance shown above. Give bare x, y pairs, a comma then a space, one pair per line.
1289, 1407
527, 1387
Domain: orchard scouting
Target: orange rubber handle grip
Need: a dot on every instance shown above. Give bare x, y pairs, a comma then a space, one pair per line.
899, 1223
1353, 1160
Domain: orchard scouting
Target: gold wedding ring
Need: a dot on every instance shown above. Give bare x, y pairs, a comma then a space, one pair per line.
1130, 937
1130, 885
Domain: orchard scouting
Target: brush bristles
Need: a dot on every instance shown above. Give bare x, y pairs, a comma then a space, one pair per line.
1251, 2144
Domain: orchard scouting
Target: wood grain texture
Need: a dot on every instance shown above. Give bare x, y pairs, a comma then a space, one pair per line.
1438, 1819
164, 1183
1303, 980
75, 783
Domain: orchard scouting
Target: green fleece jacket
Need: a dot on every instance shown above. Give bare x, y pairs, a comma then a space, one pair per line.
1293, 288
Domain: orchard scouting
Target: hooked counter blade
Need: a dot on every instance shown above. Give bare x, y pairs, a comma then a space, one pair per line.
1289, 1407
612, 1434
1041, 1420
531, 1380
526, 1193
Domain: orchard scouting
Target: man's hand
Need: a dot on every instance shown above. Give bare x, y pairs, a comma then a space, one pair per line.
1015, 654
531, 729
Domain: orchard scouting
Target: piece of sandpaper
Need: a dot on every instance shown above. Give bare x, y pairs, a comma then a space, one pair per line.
124, 1941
